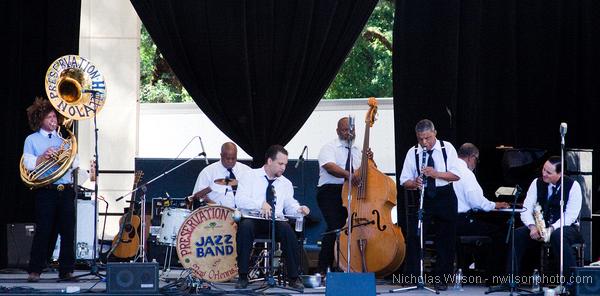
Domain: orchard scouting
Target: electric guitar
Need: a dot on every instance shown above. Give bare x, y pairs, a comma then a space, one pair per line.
126, 244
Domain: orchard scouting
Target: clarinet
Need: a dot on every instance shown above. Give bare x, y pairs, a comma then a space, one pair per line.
422, 175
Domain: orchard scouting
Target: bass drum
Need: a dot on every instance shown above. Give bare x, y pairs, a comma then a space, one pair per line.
206, 244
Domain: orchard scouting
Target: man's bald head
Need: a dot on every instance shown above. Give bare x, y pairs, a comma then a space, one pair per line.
228, 155
343, 129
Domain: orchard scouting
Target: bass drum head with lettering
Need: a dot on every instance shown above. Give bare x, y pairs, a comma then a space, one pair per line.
206, 244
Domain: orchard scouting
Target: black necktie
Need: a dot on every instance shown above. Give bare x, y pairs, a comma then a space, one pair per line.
554, 192
347, 167
49, 136
430, 189
270, 192
232, 177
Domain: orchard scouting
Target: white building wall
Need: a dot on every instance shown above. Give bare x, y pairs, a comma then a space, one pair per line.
110, 38
166, 129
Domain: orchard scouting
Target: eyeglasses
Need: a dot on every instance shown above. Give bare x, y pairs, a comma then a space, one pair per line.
476, 158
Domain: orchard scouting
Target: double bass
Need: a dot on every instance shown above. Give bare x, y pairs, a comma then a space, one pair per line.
377, 245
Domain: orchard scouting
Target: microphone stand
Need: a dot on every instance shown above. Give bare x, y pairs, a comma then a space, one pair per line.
94, 268
349, 209
512, 286
143, 187
421, 280
270, 279
561, 288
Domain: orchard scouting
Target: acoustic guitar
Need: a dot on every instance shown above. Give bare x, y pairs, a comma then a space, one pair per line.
126, 244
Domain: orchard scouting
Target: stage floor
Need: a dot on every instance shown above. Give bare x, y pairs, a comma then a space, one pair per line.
14, 282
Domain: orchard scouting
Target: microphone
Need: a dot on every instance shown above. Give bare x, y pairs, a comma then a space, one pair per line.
203, 150
351, 122
563, 128
301, 158
237, 215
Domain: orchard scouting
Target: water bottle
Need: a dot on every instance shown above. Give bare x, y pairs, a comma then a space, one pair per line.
299, 222
458, 277
535, 281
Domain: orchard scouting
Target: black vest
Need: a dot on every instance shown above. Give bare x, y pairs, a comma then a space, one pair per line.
551, 206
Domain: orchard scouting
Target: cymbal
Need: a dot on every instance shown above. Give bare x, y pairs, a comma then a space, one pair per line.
226, 181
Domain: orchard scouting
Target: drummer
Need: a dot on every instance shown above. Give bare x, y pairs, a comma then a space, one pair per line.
258, 189
217, 183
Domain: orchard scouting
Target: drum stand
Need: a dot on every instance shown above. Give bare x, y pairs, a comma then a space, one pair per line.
168, 256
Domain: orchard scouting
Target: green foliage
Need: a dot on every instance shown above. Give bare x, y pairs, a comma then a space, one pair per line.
366, 72
158, 83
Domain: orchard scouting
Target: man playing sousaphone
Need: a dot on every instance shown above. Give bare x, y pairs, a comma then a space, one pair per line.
55, 202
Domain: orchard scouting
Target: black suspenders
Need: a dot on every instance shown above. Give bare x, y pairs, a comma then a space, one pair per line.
443, 153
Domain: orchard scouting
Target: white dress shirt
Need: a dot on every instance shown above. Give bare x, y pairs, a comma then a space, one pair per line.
220, 194
469, 192
571, 209
411, 172
252, 193
336, 152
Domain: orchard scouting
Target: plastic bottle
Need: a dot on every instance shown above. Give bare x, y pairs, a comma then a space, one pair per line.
535, 281
458, 277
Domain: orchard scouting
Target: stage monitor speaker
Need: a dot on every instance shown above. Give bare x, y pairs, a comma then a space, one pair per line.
15, 244
132, 278
587, 281
342, 284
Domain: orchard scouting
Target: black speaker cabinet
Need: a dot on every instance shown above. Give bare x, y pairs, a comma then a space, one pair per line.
15, 244
354, 283
587, 281
132, 278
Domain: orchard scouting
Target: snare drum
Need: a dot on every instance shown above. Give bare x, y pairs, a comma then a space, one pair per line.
206, 244
172, 219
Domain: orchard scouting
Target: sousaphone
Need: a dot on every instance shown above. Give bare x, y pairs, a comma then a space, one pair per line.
76, 89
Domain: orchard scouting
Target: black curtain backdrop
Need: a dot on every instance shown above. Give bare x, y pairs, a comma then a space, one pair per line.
497, 73
257, 69
33, 34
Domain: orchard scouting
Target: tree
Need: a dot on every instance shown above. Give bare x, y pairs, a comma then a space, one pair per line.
367, 70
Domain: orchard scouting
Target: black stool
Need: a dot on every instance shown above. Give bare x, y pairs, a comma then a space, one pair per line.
578, 248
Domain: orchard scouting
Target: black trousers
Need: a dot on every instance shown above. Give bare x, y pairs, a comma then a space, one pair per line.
329, 198
524, 242
249, 229
494, 254
54, 214
440, 210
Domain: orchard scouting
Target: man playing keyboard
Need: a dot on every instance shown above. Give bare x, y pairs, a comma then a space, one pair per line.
260, 189
470, 200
